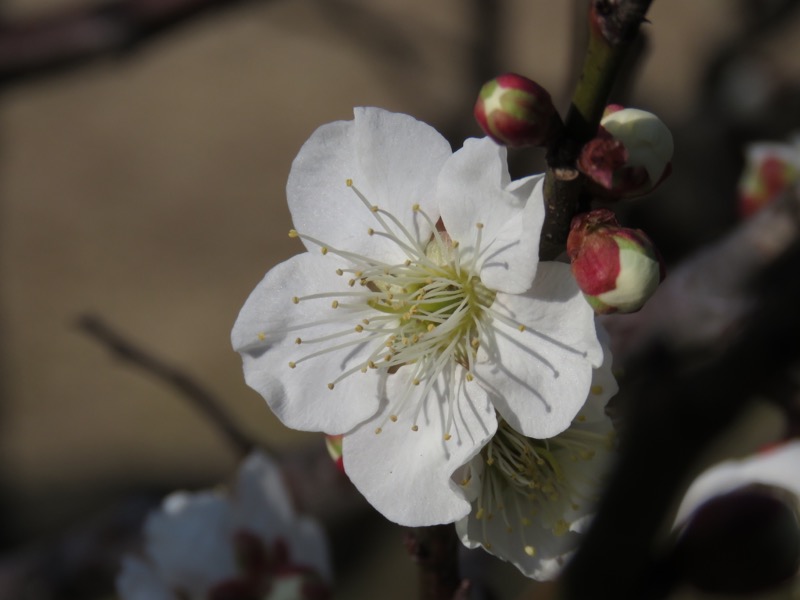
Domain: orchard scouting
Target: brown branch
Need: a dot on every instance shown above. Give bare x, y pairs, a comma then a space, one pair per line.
613, 27
702, 299
726, 332
200, 398
435, 550
73, 36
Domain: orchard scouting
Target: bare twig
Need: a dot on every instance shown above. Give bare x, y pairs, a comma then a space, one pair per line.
693, 380
702, 299
613, 27
434, 549
200, 398
73, 36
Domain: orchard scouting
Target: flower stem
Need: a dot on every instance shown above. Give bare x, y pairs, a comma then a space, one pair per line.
200, 398
613, 27
435, 550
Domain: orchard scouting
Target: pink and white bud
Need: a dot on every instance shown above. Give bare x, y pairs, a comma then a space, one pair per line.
770, 170
616, 268
515, 111
631, 154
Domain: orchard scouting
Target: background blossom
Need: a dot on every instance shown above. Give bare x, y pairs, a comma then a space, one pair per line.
531, 499
199, 544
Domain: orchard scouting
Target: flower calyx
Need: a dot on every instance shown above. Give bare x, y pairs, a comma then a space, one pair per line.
515, 111
630, 156
616, 268
333, 444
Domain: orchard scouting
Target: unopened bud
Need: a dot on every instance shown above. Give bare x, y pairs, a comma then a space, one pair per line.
744, 541
630, 156
515, 111
616, 268
770, 170
334, 445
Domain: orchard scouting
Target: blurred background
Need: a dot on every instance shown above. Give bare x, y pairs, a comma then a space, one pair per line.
146, 188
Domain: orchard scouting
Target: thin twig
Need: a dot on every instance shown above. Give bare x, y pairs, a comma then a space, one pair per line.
200, 398
613, 27
435, 550
692, 388
73, 36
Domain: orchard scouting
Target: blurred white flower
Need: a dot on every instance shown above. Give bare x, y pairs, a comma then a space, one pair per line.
777, 466
216, 546
738, 527
419, 309
532, 499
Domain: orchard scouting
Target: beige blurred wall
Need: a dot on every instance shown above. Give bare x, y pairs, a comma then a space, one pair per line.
150, 191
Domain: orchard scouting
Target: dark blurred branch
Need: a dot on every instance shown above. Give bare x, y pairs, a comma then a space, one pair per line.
435, 550
613, 28
72, 36
201, 399
689, 380
703, 299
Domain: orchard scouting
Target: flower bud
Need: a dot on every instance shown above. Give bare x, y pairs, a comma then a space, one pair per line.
334, 445
744, 541
630, 156
515, 111
616, 268
770, 170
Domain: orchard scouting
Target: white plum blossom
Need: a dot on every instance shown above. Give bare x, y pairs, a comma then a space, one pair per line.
533, 498
247, 544
418, 311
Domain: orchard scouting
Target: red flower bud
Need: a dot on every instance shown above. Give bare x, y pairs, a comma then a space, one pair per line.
616, 268
515, 111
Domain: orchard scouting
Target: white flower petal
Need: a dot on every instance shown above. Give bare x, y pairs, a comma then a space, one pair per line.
550, 551
139, 581
392, 159
539, 378
536, 528
406, 474
300, 397
189, 541
474, 187
260, 485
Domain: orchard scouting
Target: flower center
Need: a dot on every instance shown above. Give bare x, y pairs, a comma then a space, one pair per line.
426, 313
524, 478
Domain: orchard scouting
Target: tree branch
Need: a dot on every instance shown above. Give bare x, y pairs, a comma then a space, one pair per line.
613, 27
435, 550
199, 397
73, 36
689, 383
